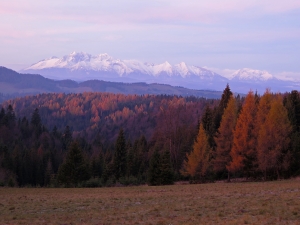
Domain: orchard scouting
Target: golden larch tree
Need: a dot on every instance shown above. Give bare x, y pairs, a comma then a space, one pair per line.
224, 137
197, 161
243, 152
273, 140
263, 109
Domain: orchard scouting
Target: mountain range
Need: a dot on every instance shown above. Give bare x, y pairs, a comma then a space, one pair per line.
81, 66
14, 84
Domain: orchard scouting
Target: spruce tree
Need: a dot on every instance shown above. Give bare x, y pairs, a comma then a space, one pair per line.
222, 106
120, 155
2, 115
67, 138
292, 104
154, 169
35, 118
36, 122
130, 160
166, 170
207, 121
9, 119
74, 169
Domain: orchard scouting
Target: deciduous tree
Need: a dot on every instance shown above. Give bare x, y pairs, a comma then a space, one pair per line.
224, 137
243, 152
273, 140
197, 162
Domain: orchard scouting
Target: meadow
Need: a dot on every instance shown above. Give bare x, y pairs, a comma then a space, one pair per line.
275, 202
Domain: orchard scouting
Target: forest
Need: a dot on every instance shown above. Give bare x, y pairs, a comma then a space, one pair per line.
102, 139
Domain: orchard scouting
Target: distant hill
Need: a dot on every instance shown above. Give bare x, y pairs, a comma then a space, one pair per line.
13, 84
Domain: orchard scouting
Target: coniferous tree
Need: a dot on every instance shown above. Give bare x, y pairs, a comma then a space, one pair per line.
10, 117
74, 169
36, 122
2, 114
273, 141
243, 152
130, 160
67, 138
197, 162
207, 121
222, 106
292, 104
224, 138
263, 109
120, 155
166, 170
35, 118
154, 172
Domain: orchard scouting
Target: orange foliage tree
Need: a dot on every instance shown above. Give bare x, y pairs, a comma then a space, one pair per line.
224, 137
273, 140
197, 162
243, 152
263, 109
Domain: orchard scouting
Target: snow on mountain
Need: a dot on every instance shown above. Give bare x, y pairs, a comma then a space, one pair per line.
105, 63
81, 66
182, 69
251, 75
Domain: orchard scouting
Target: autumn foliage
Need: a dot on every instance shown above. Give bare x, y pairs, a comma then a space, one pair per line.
273, 141
131, 139
259, 141
243, 152
224, 137
197, 162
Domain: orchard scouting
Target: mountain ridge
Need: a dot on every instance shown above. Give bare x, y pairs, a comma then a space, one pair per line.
14, 84
83, 66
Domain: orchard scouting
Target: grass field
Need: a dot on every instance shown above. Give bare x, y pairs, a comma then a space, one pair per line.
218, 203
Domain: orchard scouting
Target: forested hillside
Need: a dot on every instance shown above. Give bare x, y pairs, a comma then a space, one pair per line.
132, 139
94, 120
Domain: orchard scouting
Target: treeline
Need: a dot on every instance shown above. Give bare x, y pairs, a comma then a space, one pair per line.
101, 139
103, 114
33, 151
260, 140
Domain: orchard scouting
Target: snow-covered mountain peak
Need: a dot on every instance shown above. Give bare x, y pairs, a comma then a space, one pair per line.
76, 57
82, 62
182, 69
164, 68
104, 56
247, 74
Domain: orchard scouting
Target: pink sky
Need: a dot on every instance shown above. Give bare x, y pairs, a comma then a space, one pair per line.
222, 34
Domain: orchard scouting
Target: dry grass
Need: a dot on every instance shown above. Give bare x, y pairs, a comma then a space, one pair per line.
219, 203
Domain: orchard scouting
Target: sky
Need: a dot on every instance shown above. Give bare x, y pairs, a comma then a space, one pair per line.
221, 35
